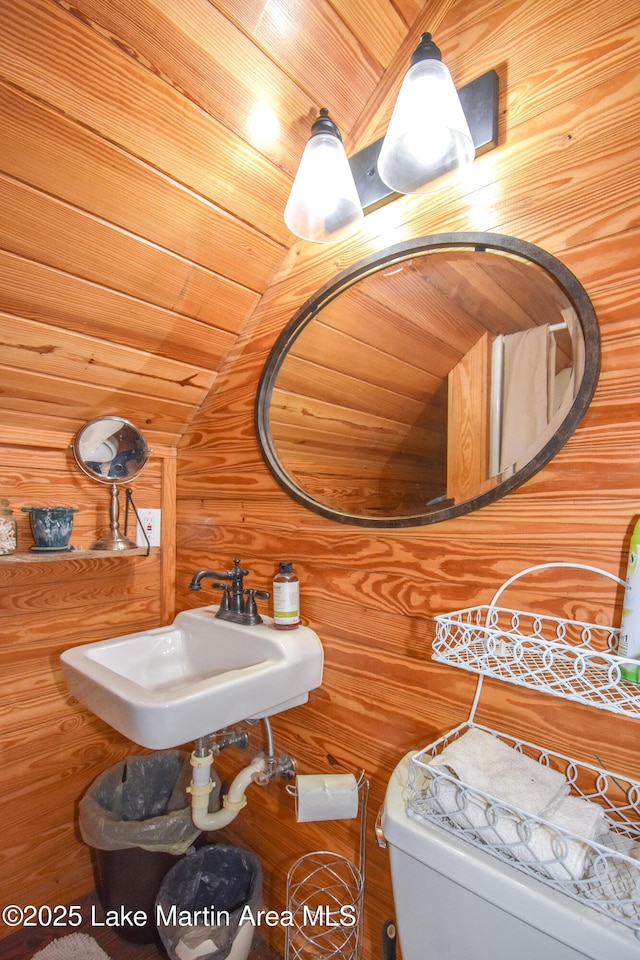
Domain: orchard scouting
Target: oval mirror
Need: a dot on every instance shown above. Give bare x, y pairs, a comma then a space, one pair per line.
428, 380
111, 450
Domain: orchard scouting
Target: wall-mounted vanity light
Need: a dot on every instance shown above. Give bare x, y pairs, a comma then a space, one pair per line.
323, 201
433, 130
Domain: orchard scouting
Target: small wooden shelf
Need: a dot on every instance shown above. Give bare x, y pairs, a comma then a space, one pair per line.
29, 557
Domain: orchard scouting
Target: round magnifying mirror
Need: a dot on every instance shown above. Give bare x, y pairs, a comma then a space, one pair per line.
111, 450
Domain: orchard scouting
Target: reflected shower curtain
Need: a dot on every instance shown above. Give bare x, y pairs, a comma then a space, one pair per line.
535, 400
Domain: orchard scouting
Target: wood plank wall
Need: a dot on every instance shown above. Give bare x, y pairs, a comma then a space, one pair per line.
566, 177
52, 748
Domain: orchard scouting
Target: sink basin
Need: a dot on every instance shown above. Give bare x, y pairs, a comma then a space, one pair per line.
165, 687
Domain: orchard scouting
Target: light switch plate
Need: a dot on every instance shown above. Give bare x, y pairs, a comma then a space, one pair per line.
150, 520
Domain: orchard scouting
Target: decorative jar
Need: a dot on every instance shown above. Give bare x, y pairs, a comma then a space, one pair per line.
8, 529
51, 527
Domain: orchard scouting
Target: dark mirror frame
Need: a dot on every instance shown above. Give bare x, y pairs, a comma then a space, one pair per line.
565, 279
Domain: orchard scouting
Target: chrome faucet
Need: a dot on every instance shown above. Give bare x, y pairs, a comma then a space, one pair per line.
233, 605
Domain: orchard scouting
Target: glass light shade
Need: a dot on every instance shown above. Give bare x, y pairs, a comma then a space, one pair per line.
323, 201
428, 132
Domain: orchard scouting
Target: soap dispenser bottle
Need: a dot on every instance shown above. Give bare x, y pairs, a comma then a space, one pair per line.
629, 642
286, 598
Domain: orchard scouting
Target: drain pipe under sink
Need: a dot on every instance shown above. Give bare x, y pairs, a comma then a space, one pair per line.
202, 785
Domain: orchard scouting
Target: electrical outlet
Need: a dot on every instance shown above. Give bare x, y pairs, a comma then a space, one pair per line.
150, 521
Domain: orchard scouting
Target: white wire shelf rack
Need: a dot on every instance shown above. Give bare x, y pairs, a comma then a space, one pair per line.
603, 873
566, 658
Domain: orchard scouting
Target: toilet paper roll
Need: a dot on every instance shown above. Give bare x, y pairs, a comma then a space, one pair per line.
326, 797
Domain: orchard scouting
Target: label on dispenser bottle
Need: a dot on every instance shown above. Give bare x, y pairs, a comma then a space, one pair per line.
629, 642
286, 602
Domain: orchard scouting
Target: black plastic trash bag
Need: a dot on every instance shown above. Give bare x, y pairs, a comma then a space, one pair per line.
208, 901
141, 802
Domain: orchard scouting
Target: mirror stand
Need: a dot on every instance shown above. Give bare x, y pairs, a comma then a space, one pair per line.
114, 540
111, 450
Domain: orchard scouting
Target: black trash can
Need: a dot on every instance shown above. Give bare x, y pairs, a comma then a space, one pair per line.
136, 817
207, 905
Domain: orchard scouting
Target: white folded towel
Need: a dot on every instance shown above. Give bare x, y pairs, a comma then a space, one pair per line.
552, 851
515, 781
486, 763
616, 879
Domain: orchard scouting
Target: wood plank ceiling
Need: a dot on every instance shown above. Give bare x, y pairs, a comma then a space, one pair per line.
147, 152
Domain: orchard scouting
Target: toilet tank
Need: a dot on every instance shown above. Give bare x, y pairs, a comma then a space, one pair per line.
453, 901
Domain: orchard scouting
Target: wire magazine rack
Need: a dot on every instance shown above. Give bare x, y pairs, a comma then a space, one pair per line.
565, 658
325, 900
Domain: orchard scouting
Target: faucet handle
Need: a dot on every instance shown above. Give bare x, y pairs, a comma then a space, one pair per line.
225, 603
251, 615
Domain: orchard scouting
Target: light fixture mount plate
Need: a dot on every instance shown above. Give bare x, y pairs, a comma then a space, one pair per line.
479, 100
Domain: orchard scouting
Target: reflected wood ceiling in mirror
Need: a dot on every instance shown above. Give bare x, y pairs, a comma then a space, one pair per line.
397, 392
142, 206
374, 362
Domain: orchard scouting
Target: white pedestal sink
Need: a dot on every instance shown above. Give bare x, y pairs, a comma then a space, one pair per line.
168, 686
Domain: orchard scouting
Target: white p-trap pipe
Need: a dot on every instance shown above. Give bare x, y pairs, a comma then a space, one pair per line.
202, 785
